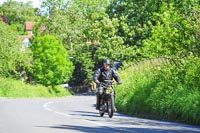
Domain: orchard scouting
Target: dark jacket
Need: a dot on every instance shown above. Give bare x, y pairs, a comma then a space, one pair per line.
101, 74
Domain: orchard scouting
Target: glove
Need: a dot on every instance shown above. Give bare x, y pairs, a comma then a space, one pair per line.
119, 82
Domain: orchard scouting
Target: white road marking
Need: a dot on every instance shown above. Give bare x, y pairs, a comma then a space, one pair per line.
62, 114
46, 106
70, 116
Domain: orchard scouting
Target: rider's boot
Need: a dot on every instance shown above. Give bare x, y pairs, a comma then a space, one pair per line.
97, 102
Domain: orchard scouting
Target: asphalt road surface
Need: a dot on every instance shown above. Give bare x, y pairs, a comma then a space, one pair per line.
74, 114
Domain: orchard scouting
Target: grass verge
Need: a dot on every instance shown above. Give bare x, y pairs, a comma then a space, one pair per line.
18, 89
169, 92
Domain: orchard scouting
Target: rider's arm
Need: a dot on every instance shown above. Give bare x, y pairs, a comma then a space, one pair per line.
96, 76
116, 76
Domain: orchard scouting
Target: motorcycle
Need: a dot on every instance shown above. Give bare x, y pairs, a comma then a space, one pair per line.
107, 99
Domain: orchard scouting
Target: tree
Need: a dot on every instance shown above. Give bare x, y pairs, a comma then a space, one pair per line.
175, 34
70, 21
135, 17
83, 73
111, 45
51, 64
18, 13
14, 56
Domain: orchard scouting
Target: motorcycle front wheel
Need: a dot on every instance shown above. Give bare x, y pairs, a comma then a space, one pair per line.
110, 107
101, 112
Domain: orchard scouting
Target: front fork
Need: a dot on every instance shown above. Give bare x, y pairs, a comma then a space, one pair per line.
112, 96
104, 102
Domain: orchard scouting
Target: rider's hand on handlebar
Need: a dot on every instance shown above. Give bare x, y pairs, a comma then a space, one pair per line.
119, 82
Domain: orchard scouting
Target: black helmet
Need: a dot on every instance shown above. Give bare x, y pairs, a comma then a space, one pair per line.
106, 61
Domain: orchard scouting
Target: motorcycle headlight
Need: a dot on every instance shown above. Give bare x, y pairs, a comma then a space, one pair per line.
109, 90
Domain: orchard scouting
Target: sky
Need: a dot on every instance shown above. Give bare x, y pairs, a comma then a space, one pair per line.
36, 3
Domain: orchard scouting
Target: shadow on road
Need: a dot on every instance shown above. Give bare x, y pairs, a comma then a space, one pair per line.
85, 113
86, 94
100, 129
125, 123
90, 121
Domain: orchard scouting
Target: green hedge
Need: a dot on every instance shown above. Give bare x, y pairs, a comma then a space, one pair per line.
169, 92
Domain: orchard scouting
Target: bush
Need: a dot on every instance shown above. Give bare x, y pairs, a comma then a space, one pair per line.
51, 63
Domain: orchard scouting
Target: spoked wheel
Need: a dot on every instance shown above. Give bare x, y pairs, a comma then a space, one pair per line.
110, 108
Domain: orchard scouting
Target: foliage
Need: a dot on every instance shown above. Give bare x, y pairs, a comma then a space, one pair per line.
159, 27
169, 92
83, 72
70, 21
16, 88
136, 18
90, 10
180, 92
14, 56
173, 35
110, 45
51, 63
54, 16
18, 13
82, 15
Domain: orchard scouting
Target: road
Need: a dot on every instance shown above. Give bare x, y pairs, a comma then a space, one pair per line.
74, 114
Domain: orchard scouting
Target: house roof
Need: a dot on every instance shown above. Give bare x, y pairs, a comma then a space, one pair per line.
29, 26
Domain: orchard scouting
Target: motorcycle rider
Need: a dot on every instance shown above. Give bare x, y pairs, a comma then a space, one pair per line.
104, 73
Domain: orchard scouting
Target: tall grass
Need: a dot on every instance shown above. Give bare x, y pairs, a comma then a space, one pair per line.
16, 88
167, 92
